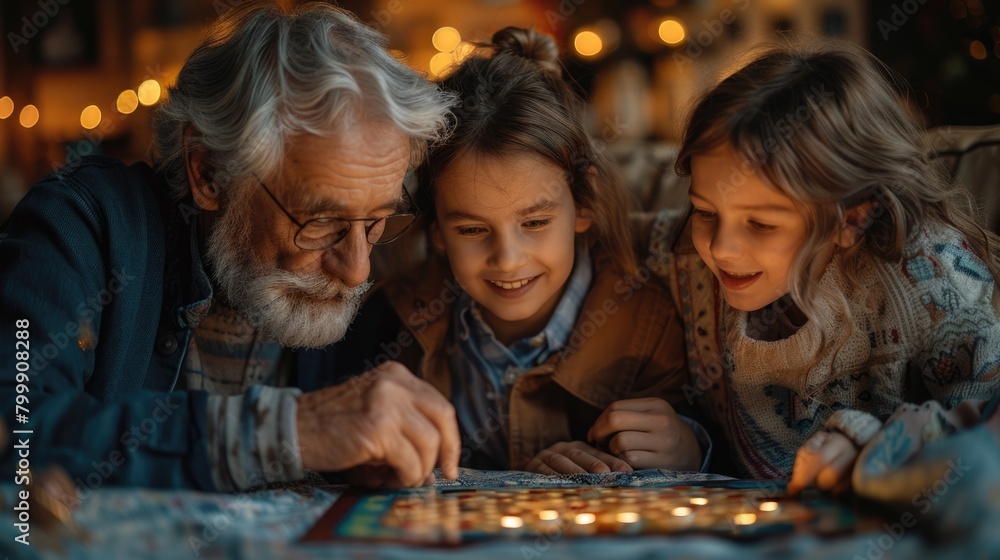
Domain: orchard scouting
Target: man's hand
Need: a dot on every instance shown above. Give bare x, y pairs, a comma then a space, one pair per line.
647, 434
825, 460
575, 457
386, 418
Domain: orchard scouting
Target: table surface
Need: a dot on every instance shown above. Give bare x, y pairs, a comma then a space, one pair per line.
266, 524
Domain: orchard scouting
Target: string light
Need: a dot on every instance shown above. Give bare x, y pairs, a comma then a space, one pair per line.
441, 62
588, 43
446, 39
149, 92
671, 31
127, 102
90, 117
6, 107
29, 116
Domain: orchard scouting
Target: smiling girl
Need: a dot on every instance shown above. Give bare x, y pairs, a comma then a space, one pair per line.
852, 274
535, 341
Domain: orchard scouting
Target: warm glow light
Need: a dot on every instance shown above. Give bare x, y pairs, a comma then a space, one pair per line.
127, 102
90, 117
585, 518
446, 39
671, 31
6, 107
441, 62
627, 517
511, 522
29, 116
548, 515
680, 511
699, 501
588, 43
978, 50
149, 92
745, 518
769, 506
463, 51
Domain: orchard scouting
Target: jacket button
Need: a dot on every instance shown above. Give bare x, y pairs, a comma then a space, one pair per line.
166, 344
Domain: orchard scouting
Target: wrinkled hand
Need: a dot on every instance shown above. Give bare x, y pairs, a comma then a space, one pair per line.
647, 434
825, 460
385, 418
575, 457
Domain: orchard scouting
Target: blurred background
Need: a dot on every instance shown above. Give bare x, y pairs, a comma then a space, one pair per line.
80, 77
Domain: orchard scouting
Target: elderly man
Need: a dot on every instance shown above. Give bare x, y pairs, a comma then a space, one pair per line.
171, 317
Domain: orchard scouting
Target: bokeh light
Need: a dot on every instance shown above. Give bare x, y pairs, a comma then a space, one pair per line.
90, 117
588, 43
29, 116
127, 102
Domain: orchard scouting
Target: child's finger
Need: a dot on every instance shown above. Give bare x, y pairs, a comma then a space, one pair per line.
808, 463
623, 442
838, 458
561, 463
539, 466
614, 421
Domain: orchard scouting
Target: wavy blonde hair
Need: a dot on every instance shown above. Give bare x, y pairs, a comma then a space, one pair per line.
825, 125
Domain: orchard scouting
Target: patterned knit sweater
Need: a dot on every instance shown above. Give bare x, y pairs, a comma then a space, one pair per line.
923, 328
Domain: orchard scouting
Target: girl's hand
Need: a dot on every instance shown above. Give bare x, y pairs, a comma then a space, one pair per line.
575, 457
825, 460
647, 434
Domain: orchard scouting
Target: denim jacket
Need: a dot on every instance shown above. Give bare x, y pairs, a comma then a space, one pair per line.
98, 259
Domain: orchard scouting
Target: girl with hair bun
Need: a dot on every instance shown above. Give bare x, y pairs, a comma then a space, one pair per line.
531, 314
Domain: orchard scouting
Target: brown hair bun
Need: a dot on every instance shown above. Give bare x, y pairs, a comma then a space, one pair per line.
530, 44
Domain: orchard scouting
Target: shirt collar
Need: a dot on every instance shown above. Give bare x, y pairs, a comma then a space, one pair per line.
551, 339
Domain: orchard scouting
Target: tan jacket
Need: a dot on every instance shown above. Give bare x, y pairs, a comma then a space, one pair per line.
628, 342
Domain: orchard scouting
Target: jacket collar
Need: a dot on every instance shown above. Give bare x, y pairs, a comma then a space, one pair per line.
187, 290
590, 367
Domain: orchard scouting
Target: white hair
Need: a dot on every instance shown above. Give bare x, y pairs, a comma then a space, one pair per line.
264, 74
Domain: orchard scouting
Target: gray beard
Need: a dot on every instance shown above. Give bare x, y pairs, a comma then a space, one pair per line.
296, 310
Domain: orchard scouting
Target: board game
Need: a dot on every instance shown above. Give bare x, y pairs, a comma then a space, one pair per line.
455, 516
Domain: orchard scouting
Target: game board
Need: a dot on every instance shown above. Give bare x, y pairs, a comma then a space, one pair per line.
454, 516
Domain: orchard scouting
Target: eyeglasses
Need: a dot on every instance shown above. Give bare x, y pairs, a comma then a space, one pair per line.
323, 233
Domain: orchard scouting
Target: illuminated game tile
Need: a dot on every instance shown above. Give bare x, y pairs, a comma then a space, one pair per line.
511, 522
627, 517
